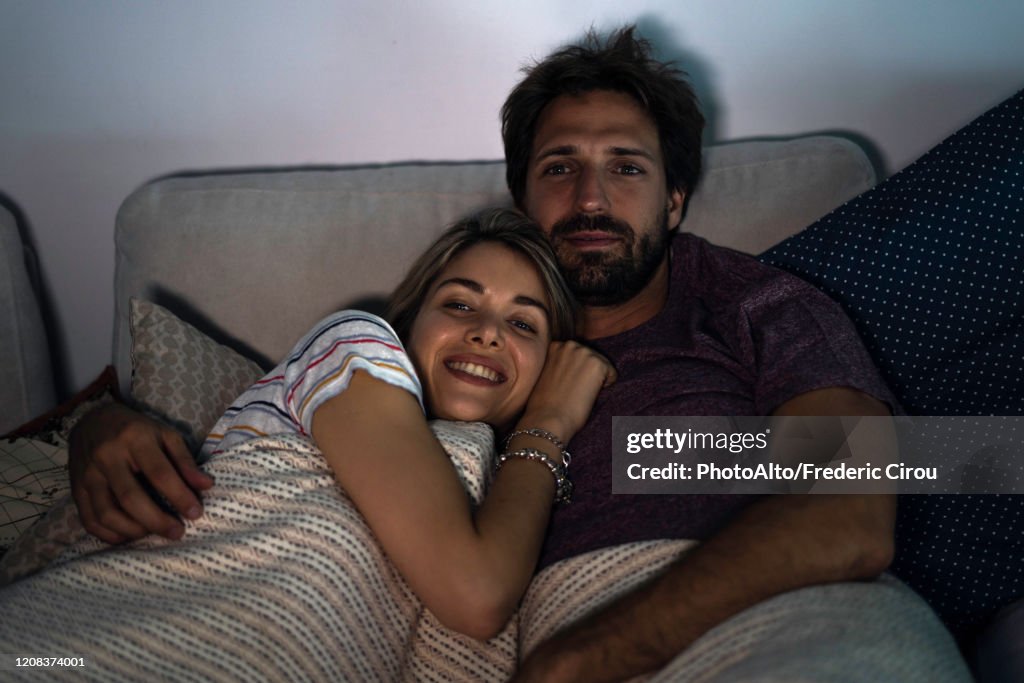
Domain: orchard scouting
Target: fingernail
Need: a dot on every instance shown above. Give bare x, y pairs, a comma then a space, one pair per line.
193, 512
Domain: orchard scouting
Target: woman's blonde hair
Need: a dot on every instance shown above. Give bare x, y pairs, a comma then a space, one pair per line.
507, 227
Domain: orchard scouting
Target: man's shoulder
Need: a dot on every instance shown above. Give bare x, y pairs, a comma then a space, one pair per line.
719, 272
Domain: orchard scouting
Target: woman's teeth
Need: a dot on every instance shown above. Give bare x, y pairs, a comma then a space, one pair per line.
476, 370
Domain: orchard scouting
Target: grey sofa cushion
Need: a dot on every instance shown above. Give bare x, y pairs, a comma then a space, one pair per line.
26, 376
256, 258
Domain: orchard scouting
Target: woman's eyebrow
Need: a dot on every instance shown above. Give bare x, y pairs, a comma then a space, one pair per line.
462, 282
475, 286
523, 300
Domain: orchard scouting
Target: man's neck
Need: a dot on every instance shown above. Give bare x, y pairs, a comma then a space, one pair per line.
604, 321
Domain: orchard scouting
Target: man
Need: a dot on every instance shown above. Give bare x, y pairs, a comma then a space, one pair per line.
603, 148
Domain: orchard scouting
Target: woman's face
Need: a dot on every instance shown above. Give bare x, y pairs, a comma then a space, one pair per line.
481, 336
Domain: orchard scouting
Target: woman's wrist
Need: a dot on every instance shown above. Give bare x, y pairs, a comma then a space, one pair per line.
563, 485
522, 438
544, 446
551, 424
544, 434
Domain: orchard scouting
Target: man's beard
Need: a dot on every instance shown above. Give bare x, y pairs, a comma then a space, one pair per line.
603, 278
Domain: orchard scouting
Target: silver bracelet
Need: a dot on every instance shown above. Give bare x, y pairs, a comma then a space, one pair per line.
563, 486
542, 434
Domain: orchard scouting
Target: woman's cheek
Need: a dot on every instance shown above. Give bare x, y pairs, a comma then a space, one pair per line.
539, 355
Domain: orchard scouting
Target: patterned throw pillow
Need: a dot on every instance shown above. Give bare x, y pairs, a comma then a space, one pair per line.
33, 461
32, 478
928, 266
43, 542
180, 374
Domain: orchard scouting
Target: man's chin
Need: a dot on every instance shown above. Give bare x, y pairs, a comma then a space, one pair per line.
606, 284
591, 261
594, 289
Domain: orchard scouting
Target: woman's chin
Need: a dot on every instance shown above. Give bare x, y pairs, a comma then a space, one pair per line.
460, 415
469, 409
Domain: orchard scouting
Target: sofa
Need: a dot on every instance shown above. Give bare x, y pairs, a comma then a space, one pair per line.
26, 374
248, 260
235, 265
256, 258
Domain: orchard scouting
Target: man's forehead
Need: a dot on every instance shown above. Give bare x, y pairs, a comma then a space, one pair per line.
601, 121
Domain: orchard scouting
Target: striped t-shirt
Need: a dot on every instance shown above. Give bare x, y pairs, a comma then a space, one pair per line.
318, 368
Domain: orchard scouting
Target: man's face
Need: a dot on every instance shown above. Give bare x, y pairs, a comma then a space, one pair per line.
596, 185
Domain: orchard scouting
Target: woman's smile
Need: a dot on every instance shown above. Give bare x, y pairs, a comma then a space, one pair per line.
474, 370
480, 339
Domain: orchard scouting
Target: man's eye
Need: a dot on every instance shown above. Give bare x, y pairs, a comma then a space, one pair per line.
556, 169
630, 169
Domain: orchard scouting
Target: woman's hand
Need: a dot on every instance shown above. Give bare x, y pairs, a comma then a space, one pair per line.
469, 568
561, 401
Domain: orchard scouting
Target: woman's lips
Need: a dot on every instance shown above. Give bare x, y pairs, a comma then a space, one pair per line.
475, 370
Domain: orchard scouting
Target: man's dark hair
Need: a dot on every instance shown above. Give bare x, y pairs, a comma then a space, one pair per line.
621, 63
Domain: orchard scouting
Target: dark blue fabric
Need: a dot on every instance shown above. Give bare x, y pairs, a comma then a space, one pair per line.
930, 266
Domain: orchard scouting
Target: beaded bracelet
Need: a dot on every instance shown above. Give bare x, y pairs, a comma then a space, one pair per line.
542, 434
563, 486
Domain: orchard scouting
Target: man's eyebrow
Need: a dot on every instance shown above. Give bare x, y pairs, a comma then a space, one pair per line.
560, 150
475, 286
563, 150
631, 152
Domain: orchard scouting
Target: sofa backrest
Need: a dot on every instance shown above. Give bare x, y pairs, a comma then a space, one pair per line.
26, 376
253, 259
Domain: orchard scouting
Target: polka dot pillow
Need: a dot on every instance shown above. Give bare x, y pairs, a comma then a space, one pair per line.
930, 266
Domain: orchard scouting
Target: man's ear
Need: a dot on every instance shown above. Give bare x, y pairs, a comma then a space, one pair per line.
676, 203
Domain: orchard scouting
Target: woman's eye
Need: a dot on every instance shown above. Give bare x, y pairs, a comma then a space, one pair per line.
457, 306
525, 326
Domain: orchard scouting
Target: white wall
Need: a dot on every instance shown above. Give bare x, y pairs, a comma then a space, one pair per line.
100, 96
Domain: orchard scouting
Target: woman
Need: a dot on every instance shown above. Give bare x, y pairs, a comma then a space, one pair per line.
484, 315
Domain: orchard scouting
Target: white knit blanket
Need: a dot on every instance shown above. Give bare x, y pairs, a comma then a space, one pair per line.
281, 580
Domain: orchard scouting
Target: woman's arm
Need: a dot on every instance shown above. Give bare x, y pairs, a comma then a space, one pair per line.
469, 569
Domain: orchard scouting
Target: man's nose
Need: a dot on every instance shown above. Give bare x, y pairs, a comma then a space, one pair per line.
591, 196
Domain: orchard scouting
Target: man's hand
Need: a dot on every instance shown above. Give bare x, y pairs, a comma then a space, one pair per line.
777, 544
556, 660
113, 451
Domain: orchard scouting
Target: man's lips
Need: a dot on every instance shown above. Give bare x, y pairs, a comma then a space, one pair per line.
592, 239
475, 370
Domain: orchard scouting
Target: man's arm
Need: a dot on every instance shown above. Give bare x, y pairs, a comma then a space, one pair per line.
109, 450
777, 544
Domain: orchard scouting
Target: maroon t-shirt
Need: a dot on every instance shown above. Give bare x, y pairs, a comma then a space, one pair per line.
736, 337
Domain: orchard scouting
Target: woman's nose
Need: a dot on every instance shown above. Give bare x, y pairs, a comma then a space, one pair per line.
486, 331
